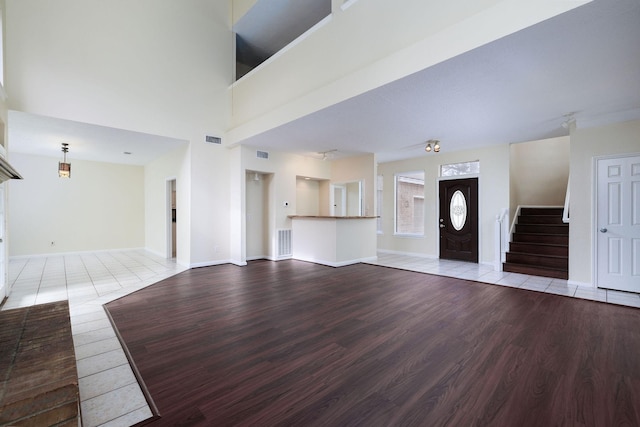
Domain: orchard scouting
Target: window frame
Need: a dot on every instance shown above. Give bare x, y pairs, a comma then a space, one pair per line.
396, 179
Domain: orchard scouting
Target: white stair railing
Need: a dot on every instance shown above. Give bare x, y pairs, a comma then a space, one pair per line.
501, 238
565, 212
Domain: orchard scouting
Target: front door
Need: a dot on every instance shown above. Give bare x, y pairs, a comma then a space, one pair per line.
618, 224
459, 219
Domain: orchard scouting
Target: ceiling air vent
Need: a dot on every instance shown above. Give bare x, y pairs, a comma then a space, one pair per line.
262, 154
213, 139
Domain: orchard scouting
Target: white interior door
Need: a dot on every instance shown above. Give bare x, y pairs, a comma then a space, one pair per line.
338, 200
618, 222
4, 285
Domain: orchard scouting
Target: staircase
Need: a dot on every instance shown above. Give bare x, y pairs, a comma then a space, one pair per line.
540, 244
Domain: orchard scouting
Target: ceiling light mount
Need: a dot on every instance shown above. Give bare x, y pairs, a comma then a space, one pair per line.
327, 154
64, 168
569, 120
432, 144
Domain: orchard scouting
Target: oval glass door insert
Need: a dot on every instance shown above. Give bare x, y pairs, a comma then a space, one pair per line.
458, 210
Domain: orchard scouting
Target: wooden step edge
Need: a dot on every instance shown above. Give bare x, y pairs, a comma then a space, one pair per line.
555, 245
555, 273
541, 208
515, 264
547, 225
545, 217
538, 255
540, 234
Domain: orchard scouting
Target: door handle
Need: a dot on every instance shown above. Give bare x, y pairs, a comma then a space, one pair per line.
441, 225
603, 230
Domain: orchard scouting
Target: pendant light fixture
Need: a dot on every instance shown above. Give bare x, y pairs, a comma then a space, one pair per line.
64, 168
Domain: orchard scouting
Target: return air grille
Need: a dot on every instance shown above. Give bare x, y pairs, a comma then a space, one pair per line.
262, 154
213, 139
284, 243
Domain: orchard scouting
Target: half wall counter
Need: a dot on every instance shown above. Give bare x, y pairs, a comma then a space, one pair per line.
334, 240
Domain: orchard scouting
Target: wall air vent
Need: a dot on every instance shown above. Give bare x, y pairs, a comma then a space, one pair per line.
284, 243
213, 139
262, 154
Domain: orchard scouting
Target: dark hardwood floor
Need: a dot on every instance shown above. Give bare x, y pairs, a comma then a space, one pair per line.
299, 344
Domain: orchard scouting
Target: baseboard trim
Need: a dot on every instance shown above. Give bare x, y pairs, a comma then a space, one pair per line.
414, 254
338, 264
215, 262
45, 255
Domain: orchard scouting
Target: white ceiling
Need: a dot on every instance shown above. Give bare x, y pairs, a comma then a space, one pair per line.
39, 135
586, 61
515, 89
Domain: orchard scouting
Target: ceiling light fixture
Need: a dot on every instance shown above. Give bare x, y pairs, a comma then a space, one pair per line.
64, 168
432, 144
569, 120
327, 154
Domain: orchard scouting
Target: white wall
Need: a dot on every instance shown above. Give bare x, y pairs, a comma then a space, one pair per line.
359, 168
173, 165
100, 207
257, 216
284, 169
493, 189
155, 66
360, 48
325, 199
307, 197
621, 138
539, 172
4, 254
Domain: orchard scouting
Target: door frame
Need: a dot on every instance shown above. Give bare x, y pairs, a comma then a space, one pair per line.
436, 226
594, 211
5, 286
169, 217
343, 199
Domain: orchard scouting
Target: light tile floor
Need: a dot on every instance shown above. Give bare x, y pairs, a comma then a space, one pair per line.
109, 393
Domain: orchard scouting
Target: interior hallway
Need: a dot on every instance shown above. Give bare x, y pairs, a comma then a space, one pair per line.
109, 392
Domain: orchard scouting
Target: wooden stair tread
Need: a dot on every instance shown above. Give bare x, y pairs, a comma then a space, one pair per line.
539, 255
540, 244
541, 211
540, 219
557, 273
560, 245
536, 248
541, 238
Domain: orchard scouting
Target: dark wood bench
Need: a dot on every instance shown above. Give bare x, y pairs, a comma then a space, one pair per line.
39, 380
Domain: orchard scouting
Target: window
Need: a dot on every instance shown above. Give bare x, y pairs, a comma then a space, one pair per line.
410, 203
464, 168
379, 188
